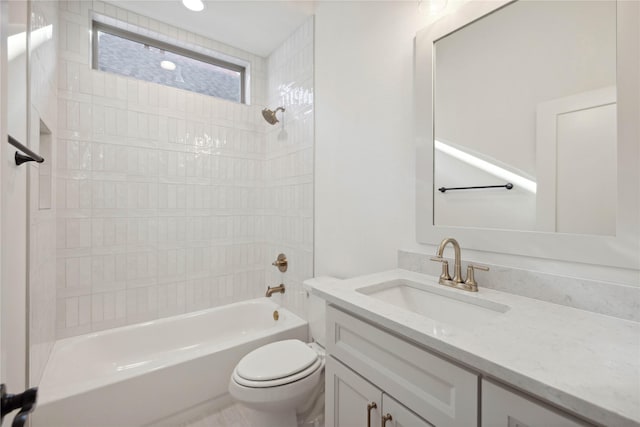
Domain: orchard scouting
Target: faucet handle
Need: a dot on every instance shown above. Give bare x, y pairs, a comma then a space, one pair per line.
471, 280
445, 267
281, 263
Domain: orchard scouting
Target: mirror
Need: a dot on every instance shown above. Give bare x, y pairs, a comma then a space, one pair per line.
529, 98
494, 79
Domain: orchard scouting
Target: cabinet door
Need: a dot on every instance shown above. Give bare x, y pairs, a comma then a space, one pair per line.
400, 415
503, 408
439, 391
348, 397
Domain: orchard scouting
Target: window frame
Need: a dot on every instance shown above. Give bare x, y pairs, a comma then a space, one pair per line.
158, 44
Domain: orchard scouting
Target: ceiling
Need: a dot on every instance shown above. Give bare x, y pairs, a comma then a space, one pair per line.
258, 27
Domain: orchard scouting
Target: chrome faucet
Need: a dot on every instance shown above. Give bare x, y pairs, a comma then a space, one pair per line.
275, 289
470, 283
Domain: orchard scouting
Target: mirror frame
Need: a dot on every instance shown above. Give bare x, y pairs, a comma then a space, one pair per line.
621, 250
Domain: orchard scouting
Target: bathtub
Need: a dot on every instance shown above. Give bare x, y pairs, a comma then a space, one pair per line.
155, 373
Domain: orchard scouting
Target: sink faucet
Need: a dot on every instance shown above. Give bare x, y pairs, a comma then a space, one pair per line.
470, 283
457, 267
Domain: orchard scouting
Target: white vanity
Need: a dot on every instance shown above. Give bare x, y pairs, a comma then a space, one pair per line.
509, 361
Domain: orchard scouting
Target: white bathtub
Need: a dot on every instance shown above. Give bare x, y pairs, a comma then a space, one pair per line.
143, 374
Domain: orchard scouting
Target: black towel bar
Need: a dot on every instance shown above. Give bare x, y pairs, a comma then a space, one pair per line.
508, 186
21, 158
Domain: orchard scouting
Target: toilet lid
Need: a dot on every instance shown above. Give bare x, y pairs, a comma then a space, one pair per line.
276, 360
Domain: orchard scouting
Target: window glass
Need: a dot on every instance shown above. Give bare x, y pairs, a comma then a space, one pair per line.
139, 59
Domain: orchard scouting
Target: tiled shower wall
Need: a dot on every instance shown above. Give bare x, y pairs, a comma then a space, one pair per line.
160, 192
289, 165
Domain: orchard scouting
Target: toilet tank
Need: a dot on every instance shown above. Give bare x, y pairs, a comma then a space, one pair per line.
317, 309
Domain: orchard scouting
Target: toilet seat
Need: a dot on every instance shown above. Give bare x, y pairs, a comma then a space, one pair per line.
277, 364
280, 381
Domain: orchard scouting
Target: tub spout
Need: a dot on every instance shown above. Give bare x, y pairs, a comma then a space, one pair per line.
271, 291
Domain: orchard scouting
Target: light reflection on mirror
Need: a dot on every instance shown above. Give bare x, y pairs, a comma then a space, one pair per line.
486, 166
495, 81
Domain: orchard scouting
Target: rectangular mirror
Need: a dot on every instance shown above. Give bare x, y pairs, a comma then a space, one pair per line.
491, 78
526, 123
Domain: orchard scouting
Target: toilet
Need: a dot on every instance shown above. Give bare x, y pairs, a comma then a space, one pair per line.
283, 381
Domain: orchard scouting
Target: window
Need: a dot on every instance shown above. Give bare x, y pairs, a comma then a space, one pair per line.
133, 55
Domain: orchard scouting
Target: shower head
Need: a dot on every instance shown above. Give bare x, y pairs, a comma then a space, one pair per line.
270, 116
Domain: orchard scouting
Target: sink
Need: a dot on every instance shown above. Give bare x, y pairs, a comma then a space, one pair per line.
442, 305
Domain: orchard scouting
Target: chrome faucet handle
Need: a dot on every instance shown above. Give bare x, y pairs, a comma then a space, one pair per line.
471, 283
445, 267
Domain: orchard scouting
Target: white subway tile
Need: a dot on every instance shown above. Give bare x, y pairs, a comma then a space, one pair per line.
78, 233
72, 77
72, 194
61, 273
71, 312
120, 305
99, 84
86, 80
84, 310
132, 124
97, 308
72, 116
99, 120
73, 36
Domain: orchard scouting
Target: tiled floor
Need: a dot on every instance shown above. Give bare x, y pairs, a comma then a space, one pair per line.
232, 416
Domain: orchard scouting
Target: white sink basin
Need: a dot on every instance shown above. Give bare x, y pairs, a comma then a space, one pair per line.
454, 307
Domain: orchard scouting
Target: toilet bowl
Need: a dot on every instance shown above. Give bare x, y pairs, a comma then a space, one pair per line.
278, 380
282, 383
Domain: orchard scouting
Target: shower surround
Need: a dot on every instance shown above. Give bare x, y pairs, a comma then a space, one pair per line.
170, 201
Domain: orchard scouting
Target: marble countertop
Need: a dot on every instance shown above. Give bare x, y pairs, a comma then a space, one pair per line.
584, 362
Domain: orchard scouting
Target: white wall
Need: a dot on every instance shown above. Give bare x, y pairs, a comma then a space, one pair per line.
365, 155
364, 135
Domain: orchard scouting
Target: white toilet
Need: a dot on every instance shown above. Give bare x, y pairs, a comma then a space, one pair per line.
284, 379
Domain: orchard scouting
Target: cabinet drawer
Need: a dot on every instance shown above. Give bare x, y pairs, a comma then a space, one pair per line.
504, 408
442, 393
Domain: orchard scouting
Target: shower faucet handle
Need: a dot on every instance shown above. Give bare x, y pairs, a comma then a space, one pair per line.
281, 262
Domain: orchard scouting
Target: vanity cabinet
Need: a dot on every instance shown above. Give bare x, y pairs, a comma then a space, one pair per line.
504, 408
367, 365
422, 384
353, 401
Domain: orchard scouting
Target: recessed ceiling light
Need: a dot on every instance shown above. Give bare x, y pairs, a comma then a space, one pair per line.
168, 65
195, 5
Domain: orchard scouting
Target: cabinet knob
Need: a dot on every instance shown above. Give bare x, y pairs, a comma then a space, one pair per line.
386, 418
370, 407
